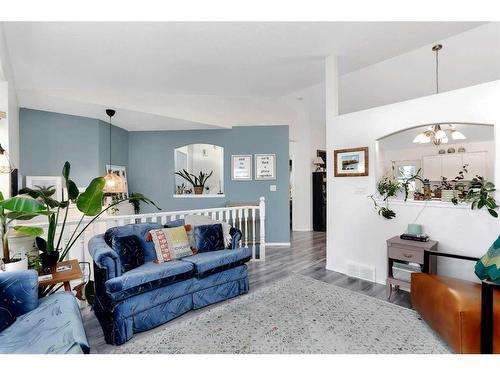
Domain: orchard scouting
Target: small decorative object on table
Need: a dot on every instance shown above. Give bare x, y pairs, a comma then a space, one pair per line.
451, 150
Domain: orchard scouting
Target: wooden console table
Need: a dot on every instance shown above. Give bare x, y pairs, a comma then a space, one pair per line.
407, 251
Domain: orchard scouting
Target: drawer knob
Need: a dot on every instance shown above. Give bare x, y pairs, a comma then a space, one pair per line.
408, 255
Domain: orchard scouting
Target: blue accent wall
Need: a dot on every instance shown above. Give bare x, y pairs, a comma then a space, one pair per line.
48, 139
151, 170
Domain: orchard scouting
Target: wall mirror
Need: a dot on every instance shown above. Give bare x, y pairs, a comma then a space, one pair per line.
439, 151
199, 160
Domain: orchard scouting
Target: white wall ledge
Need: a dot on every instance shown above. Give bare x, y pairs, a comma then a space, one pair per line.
432, 203
182, 196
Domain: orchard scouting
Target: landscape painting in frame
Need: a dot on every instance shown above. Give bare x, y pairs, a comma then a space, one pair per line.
351, 162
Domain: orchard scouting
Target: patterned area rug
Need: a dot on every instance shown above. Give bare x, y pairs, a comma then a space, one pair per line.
295, 315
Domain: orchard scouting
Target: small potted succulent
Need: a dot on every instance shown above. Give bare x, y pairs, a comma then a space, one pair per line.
198, 182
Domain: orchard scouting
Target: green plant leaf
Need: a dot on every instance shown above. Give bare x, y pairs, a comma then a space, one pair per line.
138, 197
89, 292
29, 231
90, 201
492, 212
66, 169
22, 203
72, 190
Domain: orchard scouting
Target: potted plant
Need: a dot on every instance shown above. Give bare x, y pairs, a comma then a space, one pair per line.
89, 203
12, 211
448, 188
480, 193
198, 182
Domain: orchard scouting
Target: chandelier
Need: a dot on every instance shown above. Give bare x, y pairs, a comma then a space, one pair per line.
438, 133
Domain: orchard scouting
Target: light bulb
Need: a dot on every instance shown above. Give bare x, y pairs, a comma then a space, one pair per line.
440, 134
455, 135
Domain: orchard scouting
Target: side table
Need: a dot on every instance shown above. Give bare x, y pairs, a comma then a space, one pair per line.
407, 251
64, 277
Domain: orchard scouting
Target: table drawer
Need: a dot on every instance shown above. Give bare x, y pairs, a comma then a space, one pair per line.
406, 255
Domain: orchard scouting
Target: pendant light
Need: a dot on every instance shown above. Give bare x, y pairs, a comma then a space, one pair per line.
6, 165
113, 182
438, 133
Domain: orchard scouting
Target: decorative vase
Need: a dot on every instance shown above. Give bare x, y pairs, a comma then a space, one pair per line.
447, 195
17, 265
49, 260
198, 189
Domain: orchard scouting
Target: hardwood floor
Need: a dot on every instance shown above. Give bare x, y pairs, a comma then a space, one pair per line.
306, 256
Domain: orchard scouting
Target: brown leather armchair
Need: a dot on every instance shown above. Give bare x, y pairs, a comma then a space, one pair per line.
465, 314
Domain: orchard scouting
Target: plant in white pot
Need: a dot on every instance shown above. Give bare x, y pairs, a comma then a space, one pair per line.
449, 188
13, 210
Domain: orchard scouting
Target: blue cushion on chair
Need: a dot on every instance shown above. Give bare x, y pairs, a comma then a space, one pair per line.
217, 261
129, 250
175, 223
6, 318
208, 238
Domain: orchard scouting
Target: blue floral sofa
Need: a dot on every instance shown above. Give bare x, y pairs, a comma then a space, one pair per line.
50, 325
152, 294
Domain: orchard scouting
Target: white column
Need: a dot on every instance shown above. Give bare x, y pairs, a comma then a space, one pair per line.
332, 111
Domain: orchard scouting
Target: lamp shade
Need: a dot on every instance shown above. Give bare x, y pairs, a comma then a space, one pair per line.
318, 161
440, 134
113, 183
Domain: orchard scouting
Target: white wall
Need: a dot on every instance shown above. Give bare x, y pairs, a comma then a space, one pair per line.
356, 233
9, 128
467, 59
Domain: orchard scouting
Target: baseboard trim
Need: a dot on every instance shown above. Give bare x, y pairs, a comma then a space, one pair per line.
277, 244
302, 229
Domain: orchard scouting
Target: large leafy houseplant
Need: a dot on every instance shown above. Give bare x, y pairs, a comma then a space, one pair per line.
480, 193
89, 203
12, 211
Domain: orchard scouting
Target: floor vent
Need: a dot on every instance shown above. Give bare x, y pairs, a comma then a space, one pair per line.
361, 271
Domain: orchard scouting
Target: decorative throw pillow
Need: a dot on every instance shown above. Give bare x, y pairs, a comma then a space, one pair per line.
488, 267
171, 243
208, 238
196, 220
6, 318
129, 250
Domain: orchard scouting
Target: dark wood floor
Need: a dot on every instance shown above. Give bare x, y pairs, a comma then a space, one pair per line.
306, 256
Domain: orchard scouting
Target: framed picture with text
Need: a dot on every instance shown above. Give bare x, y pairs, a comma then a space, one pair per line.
351, 162
241, 167
265, 166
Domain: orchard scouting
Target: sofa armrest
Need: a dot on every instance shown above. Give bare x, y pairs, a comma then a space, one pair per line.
105, 257
19, 291
236, 237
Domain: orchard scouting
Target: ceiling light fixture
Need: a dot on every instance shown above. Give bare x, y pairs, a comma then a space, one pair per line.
113, 182
439, 133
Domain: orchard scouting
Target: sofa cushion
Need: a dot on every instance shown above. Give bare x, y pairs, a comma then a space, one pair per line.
170, 243
55, 326
6, 318
216, 261
129, 250
175, 223
147, 277
208, 238
196, 220
140, 230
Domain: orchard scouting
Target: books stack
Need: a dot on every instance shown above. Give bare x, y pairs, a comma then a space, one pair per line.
414, 237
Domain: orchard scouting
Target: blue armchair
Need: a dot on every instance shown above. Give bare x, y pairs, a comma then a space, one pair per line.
52, 324
151, 294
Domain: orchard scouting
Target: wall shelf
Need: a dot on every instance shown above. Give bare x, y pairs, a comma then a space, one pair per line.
194, 196
431, 203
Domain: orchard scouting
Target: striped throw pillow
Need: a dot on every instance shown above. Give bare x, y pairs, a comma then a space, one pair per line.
170, 243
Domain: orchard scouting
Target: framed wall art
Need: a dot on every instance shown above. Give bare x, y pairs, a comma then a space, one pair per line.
351, 162
241, 167
265, 166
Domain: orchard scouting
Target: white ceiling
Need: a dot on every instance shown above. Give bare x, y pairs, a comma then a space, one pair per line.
68, 61
404, 139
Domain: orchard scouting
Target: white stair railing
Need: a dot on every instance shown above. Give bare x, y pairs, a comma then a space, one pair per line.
249, 219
